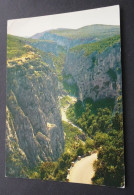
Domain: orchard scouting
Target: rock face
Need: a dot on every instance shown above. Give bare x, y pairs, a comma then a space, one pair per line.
48, 46
34, 127
97, 75
13, 150
61, 40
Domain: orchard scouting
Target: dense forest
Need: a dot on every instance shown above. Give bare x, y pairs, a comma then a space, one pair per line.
64, 100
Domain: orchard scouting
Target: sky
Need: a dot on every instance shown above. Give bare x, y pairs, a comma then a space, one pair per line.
27, 27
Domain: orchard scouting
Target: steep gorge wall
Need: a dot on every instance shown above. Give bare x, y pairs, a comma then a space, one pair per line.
34, 127
61, 41
48, 46
97, 75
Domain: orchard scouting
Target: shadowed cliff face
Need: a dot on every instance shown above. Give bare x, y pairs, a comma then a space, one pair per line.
89, 71
50, 46
63, 41
97, 75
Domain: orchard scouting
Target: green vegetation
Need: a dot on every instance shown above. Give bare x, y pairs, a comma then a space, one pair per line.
100, 103
26, 61
75, 111
106, 130
14, 157
18, 47
91, 123
99, 46
101, 120
71, 89
107, 139
64, 162
112, 74
48, 46
15, 47
65, 101
94, 62
110, 164
70, 85
59, 62
75, 145
93, 31
73, 137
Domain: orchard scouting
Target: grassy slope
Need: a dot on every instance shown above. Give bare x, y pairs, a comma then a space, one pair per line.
99, 46
18, 46
99, 31
15, 47
72, 137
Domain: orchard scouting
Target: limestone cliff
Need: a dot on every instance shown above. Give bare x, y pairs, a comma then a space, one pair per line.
97, 75
34, 128
92, 66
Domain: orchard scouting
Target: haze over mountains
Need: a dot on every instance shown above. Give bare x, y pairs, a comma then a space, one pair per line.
96, 30
71, 37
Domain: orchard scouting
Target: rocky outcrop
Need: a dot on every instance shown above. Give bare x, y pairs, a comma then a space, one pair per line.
97, 75
14, 154
61, 40
33, 120
48, 46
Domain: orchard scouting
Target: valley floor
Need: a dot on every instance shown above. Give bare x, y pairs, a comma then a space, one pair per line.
83, 170
64, 109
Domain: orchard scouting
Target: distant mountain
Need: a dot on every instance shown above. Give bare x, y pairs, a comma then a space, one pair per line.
72, 37
94, 70
96, 31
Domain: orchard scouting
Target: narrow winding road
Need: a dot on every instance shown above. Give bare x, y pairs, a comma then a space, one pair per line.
63, 113
83, 170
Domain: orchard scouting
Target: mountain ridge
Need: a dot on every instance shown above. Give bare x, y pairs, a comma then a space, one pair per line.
88, 27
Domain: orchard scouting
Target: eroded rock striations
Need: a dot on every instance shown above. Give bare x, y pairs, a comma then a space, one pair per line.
34, 128
97, 75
